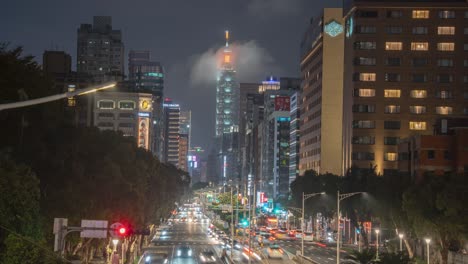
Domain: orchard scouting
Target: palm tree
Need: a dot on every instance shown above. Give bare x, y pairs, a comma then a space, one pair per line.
367, 256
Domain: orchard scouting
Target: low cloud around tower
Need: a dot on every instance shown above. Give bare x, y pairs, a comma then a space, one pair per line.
251, 61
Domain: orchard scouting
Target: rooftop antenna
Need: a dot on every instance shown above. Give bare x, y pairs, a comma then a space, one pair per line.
227, 37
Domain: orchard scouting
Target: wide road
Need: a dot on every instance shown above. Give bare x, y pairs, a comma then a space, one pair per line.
323, 254
192, 235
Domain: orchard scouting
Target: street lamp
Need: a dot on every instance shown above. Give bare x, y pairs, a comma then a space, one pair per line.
401, 241
115, 242
339, 198
305, 197
428, 241
377, 231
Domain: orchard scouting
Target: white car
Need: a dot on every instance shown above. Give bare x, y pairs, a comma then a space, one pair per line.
274, 251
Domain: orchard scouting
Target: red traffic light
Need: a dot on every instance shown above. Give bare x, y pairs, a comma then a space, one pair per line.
122, 231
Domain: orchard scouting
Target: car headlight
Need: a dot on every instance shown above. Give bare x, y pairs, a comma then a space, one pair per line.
190, 252
148, 259
178, 253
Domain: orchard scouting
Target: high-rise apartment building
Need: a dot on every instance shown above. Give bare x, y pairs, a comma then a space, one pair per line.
100, 50
405, 66
321, 111
294, 133
245, 90
185, 120
171, 128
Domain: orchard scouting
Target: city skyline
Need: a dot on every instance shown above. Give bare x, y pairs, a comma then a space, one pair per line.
180, 46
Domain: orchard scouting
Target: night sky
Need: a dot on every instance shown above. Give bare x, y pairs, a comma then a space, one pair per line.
184, 35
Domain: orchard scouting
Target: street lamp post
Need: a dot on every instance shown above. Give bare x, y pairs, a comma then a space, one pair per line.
339, 198
401, 241
428, 241
377, 231
113, 255
305, 197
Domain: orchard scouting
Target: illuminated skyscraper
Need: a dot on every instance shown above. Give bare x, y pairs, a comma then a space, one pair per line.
227, 116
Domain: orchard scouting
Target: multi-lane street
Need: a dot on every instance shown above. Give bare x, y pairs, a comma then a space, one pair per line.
318, 252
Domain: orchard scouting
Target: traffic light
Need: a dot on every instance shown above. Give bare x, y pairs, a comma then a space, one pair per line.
119, 230
245, 223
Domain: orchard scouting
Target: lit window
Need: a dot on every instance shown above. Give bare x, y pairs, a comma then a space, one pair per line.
392, 109
419, 46
418, 94
417, 109
366, 92
420, 14
393, 45
444, 110
446, 30
419, 30
413, 125
106, 104
446, 14
367, 77
392, 93
127, 105
446, 46
390, 156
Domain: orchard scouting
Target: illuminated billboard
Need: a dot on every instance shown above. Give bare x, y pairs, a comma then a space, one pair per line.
143, 132
282, 103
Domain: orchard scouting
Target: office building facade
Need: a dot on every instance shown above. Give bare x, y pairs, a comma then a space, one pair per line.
130, 113
171, 135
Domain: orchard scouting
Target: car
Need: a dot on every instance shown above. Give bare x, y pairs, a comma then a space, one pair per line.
207, 256
184, 252
275, 251
154, 258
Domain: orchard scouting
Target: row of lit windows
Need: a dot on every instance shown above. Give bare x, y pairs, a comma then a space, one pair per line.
109, 104
396, 77
370, 124
395, 109
419, 30
396, 61
396, 93
415, 46
415, 14
421, 46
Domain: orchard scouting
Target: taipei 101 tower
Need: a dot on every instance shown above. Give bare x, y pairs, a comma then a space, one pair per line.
227, 117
